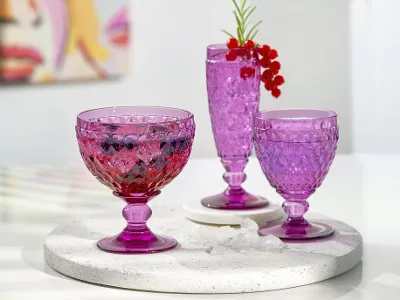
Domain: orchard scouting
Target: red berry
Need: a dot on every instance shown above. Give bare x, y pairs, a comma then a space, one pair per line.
273, 54
233, 43
252, 72
241, 51
276, 65
266, 76
247, 72
231, 56
276, 92
265, 50
250, 44
265, 62
279, 80
274, 71
249, 54
269, 85
243, 73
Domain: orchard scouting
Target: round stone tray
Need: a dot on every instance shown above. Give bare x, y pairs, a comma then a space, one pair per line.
208, 259
197, 212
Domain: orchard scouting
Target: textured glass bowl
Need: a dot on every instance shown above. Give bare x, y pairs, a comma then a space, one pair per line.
135, 151
233, 102
295, 149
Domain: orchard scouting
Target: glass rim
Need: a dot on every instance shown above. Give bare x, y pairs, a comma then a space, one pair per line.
329, 114
334, 127
189, 115
217, 47
225, 47
217, 53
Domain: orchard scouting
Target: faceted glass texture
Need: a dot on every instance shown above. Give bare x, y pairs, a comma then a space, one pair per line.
233, 102
135, 151
295, 149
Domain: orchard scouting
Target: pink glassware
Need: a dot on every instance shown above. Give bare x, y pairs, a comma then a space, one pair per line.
135, 151
295, 149
233, 101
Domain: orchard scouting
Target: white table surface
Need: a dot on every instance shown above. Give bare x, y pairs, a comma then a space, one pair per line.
362, 190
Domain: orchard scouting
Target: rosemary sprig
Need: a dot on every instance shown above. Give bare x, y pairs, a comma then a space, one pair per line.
242, 13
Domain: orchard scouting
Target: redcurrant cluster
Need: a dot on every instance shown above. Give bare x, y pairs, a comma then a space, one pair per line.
270, 76
235, 50
272, 67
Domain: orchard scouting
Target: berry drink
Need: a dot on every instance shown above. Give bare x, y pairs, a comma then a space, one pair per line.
135, 151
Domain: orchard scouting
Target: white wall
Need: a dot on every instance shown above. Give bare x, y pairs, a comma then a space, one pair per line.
314, 41
170, 38
376, 65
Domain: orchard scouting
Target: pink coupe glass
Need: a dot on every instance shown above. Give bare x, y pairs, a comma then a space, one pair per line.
135, 151
233, 101
295, 149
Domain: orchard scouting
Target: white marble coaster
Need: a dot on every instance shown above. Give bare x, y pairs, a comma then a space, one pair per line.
208, 259
197, 212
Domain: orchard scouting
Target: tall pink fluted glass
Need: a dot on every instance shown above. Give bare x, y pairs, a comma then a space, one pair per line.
135, 151
295, 149
233, 101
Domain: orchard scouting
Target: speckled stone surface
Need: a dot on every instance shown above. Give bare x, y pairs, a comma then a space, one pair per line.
197, 212
202, 263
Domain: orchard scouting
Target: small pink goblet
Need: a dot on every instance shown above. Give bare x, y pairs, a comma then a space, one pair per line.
295, 149
135, 151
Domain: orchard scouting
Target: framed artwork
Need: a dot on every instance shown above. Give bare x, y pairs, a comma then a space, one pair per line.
44, 41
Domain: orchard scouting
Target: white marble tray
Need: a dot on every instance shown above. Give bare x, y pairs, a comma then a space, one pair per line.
208, 259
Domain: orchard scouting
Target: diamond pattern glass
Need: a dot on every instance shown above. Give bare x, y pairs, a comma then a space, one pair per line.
135, 151
233, 101
295, 149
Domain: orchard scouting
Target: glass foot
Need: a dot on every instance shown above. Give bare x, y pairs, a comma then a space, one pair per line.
149, 243
284, 231
234, 201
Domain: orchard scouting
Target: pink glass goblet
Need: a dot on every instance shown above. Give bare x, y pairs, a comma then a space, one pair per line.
233, 100
135, 151
295, 149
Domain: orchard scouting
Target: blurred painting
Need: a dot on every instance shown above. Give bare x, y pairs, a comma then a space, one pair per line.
44, 41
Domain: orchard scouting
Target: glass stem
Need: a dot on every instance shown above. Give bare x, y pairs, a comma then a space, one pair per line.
296, 206
136, 214
234, 175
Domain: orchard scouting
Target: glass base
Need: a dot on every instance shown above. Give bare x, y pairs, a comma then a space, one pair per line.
234, 201
148, 243
309, 231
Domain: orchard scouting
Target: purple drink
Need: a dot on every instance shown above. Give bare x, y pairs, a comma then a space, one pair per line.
135, 151
295, 149
233, 101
